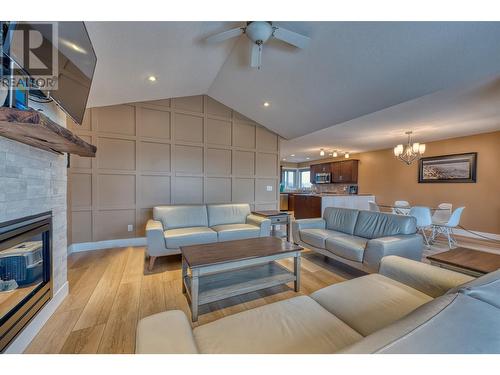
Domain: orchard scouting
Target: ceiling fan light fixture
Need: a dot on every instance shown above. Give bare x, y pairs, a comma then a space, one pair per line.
259, 32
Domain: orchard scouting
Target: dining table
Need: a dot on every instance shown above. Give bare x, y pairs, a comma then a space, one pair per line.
405, 210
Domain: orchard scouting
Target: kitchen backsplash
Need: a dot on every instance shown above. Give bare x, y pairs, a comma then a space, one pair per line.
331, 188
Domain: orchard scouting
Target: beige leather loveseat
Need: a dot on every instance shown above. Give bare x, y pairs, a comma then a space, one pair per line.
359, 238
182, 225
408, 307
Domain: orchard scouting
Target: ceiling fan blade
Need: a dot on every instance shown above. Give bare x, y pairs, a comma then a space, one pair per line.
256, 56
290, 37
228, 34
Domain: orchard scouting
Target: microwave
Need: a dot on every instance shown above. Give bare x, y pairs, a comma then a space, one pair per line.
322, 178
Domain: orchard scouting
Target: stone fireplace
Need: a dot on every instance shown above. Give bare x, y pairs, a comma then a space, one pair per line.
33, 181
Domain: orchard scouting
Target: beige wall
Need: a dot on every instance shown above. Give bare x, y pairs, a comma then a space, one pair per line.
183, 150
286, 164
381, 174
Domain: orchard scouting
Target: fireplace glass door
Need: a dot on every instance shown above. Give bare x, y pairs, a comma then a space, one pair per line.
24, 272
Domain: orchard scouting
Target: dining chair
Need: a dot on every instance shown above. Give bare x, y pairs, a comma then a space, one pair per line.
424, 220
447, 227
442, 215
401, 208
373, 206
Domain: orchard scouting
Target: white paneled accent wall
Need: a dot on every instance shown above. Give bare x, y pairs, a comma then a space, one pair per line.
173, 151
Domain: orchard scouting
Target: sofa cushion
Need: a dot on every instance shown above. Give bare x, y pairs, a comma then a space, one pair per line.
485, 288
296, 325
376, 224
348, 247
450, 324
371, 302
316, 237
175, 238
340, 219
168, 332
227, 213
229, 232
181, 216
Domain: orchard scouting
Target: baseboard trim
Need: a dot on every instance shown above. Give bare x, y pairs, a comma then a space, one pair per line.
464, 233
21, 342
109, 244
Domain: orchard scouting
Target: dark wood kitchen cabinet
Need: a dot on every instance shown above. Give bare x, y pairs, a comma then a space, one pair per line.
318, 168
306, 206
345, 172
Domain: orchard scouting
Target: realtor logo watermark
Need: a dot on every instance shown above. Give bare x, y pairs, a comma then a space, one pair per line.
31, 46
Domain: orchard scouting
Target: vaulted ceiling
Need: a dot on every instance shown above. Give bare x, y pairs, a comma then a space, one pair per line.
349, 70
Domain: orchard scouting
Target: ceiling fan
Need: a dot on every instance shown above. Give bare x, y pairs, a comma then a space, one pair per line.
259, 32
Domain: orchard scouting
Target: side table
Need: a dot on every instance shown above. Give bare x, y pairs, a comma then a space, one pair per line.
277, 218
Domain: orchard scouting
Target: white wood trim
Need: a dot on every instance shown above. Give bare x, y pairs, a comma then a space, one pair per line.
109, 244
22, 341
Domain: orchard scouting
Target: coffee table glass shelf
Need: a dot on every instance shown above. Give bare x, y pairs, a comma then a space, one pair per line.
216, 271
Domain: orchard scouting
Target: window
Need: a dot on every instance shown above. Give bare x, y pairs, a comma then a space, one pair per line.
305, 178
296, 179
288, 178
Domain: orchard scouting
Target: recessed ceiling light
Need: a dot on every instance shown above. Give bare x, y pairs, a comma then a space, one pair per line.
346, 155
308, 158
284, 159
266, 104
292, 155
152, 79
322, 152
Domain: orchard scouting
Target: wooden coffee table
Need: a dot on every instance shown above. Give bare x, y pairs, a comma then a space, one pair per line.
215, 271
468, 261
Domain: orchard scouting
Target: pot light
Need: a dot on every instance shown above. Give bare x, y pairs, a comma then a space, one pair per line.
321, 152
284, 159
266, 104
335, 154
346, 155
152, 79
308, 158
292, 155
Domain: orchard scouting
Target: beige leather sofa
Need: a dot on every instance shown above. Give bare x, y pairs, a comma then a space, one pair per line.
182, 225
359, 238
408, 307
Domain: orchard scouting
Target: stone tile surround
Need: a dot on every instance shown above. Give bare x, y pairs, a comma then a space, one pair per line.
34, 181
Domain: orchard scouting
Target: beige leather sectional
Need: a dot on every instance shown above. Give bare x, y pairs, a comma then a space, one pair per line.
408, 307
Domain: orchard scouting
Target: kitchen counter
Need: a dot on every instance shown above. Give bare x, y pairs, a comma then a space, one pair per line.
311, 205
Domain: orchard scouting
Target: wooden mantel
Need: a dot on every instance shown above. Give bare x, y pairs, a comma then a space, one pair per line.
35, 129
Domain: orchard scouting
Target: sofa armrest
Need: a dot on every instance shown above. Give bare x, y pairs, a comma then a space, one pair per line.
405, 245
431, 280
297, 225
168, 332
259, 221
155, 238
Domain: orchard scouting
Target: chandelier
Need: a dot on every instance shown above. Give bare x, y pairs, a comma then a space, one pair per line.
409, 152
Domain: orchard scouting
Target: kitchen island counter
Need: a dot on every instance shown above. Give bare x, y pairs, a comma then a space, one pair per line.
309, 205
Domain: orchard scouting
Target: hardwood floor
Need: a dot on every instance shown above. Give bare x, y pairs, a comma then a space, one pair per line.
109, 293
